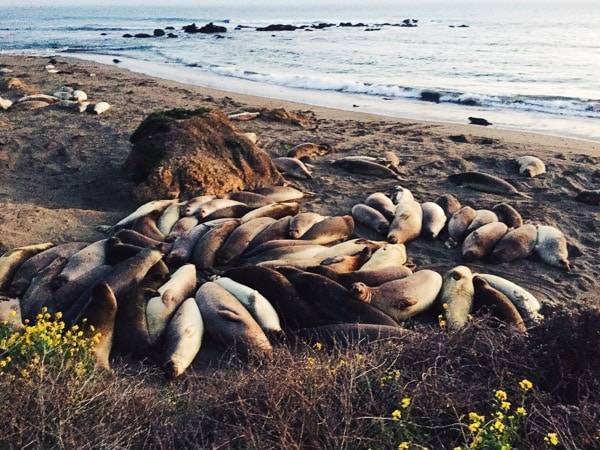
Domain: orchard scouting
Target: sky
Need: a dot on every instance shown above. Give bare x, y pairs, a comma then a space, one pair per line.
275, 3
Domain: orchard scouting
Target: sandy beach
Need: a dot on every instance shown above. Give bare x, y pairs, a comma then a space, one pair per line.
61, 171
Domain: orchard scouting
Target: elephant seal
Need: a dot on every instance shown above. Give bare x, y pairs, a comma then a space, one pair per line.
205, 250
457, 296
12, 260
499, 304
257, 305
551, 247
482, 217
144, 210
181, 227
485, 183
332, 300
100, 108
330, 230
10, 312
516, 244
307, 150
293, 310
590, 197
193, 205
347, 263
302, 222
83, 261
531, 166
183, 338
402, 195
280, 194
160, 309
274, 211
292, 167
434, 220
480, 242
183, 247
40, 292
117, 251
345, 334
526, 303
407, 223
168, 218
252, 199
212, 206
276, 231
282, 248
134, 238
100, 314
449, 203
370, 217
368, 277
508, 215
383, 204
239, 239
458, 224
390, 255
147, 225
404, 298
23, 276
65, 296
364, 166
229, 323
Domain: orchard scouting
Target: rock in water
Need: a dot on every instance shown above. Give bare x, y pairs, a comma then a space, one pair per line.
181, 153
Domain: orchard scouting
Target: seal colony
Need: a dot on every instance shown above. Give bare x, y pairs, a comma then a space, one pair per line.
248, 270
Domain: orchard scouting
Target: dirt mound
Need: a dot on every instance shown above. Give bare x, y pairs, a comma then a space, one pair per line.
181, 153
17, 86
282, 115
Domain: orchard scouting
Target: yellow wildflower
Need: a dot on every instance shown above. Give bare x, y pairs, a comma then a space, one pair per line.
499, 426
501, 395
474, 426
12, 313
396, 415
403, 446
318, 346
505, 406
405, 402
525, 385
521, 411
505, 447
474, 417
445, 305
551, 439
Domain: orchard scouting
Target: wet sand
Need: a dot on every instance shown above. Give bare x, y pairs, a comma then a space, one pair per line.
60, 171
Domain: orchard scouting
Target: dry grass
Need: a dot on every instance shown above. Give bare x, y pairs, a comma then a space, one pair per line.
328, 398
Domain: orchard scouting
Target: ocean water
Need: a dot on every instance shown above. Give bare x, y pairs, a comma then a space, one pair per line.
531, 65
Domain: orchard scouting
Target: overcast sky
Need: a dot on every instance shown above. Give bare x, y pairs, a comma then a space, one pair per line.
246, 3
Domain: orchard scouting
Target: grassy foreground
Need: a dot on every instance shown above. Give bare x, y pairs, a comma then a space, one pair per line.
484, 387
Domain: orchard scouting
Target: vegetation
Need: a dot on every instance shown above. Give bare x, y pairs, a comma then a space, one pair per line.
485, 388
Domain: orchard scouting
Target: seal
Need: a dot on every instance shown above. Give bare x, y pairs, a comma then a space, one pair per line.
404, 298
346, 334
116, 251
482, 217
370, 217
147, 226
485, 183
282, 247
347, 263
293, 311
456, 296
144, 210
83, 261
183, 247
205, 250
330, 230
402, 195
525, 302
302, 222
551, 247
183, 338
449, 203
516, 244
333, 301
237, 242
364, 166
307, 150
100, 314
480, 242
276, 231
134, 238
168, 218
10, 312
508, 215
160, 309
40, 292
252, 199
368, 277
531, 166
64, 297
292, 167
434, 220
229, 323
383, 204
193, 205
497, 303
407, 223
390, 255
274, 210
23, 276
458, 224
209, 208
181, 227
12, 260
100, 108
280, 194
257, 305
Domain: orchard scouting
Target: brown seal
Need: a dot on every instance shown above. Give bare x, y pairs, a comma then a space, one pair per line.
516, 244
480, 242
407, 223
498, 304
147, 225
279, 194
100, 314
183, 247
456, 296
40, 292
368, 277
64, 297
330, 230
117, 251
307, 150
449, 203
458, 224
302, 222
208, 245
275, 231
370, 217
347, 263
134, 238
508, 215
237, 242
83, 261
12, 260
382, 203
252, 199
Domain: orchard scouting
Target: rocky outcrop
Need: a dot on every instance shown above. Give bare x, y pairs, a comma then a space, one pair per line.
158, 32
181, 153
278, 27
206, 29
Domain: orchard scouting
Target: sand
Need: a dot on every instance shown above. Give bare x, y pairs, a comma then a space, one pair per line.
60, 172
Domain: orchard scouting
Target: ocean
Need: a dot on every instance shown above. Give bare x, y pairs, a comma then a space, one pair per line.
525, 65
